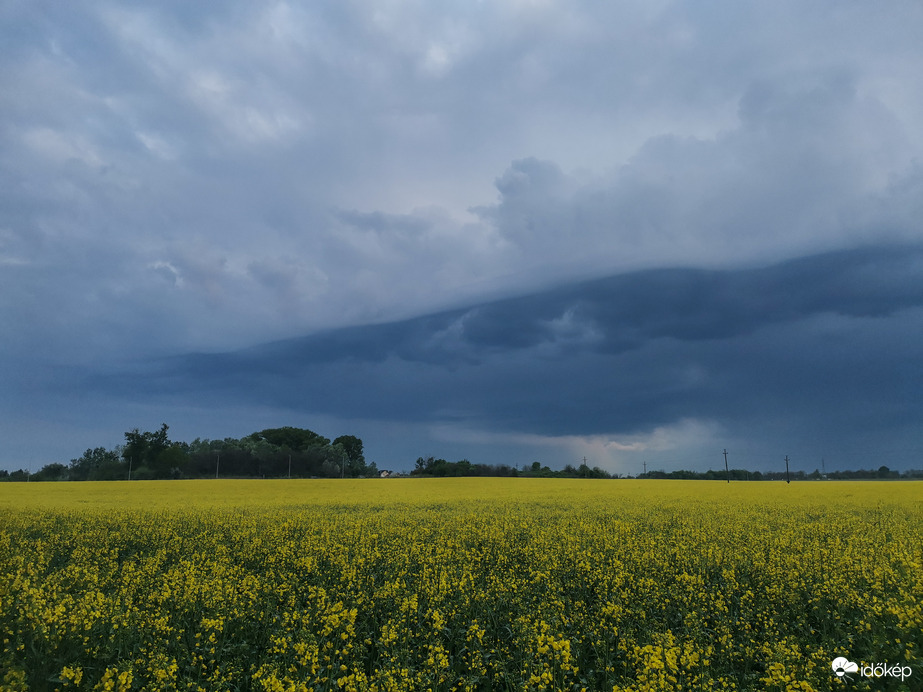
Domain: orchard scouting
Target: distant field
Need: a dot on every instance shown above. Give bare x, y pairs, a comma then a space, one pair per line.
458, 584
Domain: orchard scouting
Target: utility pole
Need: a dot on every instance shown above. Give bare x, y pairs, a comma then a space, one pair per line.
645, 468
726, 465
787, 478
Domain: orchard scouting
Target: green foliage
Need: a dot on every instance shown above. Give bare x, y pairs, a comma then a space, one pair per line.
442, 468
296, 439
154, 452
142, 473
96, 464
279, 452
172, 461
744, 475
431, 466
352, 446
51, 472
144, 448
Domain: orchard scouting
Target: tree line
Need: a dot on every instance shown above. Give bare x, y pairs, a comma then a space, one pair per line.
883, 472
430, 466
271, 453
302, 453
440, 468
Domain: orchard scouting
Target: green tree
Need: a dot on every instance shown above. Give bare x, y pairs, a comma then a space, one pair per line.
51, 472
145, 452
172, 461
423, 465
143, 447
294, 438
94, 463
356, 465
352, 445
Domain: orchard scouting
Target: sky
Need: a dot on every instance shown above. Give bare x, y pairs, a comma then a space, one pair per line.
634, 233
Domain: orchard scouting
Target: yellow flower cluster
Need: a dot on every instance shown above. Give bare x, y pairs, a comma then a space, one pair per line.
456, 584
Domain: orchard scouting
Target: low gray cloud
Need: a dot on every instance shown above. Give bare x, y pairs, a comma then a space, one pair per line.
819, 351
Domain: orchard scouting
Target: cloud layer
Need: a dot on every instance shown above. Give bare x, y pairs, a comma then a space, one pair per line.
818, 352
179, 179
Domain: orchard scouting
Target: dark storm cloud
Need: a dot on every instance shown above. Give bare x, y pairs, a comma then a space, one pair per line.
825, 338
627, 310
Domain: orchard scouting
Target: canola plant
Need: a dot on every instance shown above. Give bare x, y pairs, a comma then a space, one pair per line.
458, 584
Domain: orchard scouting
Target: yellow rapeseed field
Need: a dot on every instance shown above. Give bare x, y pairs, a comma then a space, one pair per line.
458, 584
